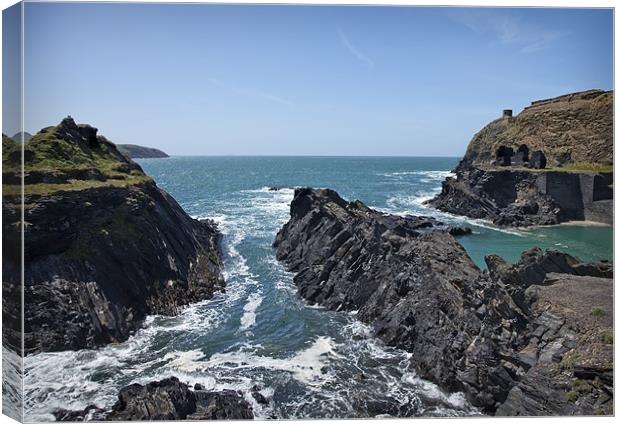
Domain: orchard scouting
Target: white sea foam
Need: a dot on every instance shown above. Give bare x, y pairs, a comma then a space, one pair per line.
185, 361
249, 311
11, 383
428, 176
430, 390
415, 205
305, 366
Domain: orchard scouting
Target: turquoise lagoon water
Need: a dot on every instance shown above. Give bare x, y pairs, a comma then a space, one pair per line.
310, 363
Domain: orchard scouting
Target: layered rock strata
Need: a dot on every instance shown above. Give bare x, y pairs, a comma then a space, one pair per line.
103, 245
420, 291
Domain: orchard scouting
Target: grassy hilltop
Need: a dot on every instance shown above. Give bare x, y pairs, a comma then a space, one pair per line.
66, 157
575, 132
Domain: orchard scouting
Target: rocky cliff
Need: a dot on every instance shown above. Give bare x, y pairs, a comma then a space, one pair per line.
575, 128
477, 332
551, 163
103, 245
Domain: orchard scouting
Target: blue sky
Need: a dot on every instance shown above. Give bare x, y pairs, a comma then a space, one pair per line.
261, 80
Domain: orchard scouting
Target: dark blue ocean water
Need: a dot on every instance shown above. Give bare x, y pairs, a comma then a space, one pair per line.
308, 361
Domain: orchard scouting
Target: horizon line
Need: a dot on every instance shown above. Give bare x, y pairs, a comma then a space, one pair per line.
303, 155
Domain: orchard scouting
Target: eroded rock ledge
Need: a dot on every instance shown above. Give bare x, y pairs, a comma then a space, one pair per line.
484, 333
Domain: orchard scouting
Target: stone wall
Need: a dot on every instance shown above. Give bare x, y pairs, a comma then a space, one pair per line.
521, 197
582, 196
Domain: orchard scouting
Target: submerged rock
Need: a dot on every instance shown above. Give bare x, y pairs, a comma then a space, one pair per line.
467, 330
459, 231
90, 413
258, 396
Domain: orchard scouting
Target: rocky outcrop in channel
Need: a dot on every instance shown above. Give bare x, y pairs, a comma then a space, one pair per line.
420, 291
104, 247
168, 399
571, 135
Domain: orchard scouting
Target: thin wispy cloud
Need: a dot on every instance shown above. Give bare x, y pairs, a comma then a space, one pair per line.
355, 51
509, 30
250, 93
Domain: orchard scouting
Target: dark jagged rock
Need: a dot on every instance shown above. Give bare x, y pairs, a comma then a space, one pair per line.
168, 399
258, 396
103, 245
90, 413
494, 183
419, 290
480, 333
459, 231
569, 349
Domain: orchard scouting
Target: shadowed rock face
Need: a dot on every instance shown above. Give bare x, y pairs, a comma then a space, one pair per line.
100, 253
168, 399
506, 197
421, 292
521, 198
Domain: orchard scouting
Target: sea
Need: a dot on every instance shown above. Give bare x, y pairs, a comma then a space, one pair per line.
307, 361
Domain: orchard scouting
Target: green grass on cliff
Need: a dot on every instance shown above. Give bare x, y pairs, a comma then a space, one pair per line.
47, 151
575, 167
586, 167
52, 151
71, 185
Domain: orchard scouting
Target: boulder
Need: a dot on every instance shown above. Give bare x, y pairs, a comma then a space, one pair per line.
459, 231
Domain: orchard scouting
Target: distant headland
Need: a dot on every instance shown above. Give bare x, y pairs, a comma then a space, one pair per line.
139, 152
